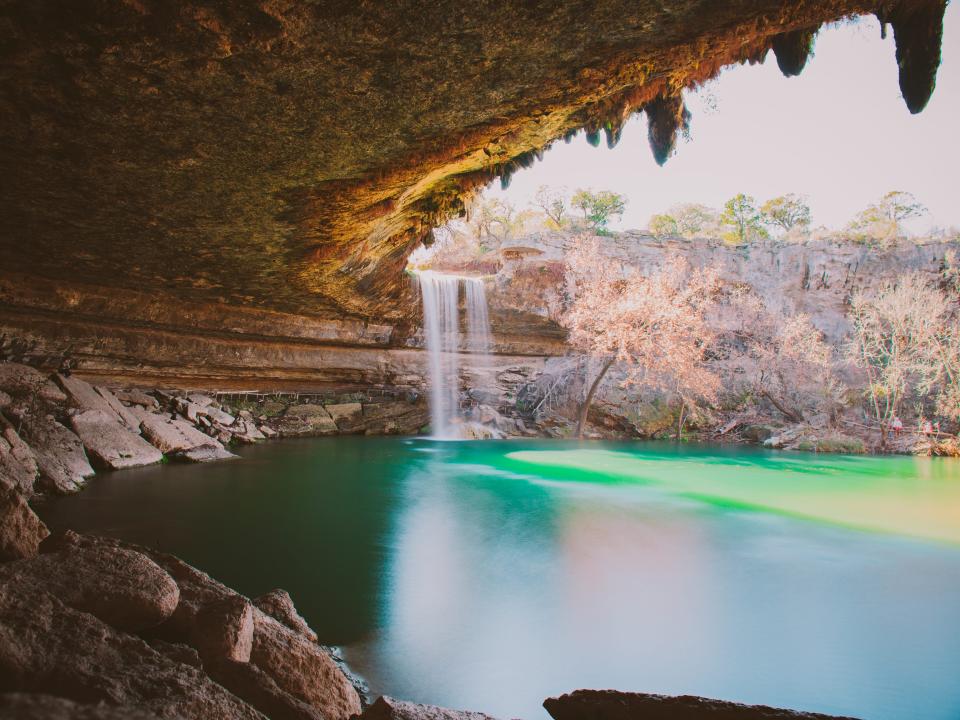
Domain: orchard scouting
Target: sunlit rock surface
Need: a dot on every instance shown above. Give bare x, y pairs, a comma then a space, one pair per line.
289, 155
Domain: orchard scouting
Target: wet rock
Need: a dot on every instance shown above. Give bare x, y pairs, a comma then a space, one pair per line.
758, 433
48, 647
345, 415
21, 531
110, 444
36, 706
59, 453
205, 453
224, 630
614, 705
122, 587
83, 396
302, 669
279, 605
306, 420
137, 397
388, 708
246, 431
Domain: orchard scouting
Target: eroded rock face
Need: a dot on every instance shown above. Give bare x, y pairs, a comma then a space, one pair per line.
614, 705
21, 531
290, 155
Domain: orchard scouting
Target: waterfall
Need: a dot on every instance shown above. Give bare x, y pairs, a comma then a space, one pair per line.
441, 323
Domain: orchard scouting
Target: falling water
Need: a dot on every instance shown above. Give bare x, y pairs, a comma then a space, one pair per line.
478, 321
441, 320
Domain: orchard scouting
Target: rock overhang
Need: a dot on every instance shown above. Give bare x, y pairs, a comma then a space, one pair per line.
290, 155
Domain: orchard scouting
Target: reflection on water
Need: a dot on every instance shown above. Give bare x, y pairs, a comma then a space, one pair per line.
491, 575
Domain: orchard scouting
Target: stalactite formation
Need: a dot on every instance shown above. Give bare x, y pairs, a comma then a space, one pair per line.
666, 117
793, 49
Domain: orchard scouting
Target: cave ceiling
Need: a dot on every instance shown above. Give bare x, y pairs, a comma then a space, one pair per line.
290, 155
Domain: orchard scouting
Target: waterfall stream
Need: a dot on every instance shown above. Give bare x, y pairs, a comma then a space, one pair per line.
440, 295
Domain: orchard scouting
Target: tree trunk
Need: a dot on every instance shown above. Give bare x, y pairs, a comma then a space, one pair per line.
683, 407
589, 399
792, 415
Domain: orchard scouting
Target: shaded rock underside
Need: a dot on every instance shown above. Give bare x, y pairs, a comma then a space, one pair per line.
289, 155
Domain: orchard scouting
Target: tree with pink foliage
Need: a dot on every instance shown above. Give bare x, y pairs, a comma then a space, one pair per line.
652, 324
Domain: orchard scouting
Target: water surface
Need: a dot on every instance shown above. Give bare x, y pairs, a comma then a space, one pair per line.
491, 575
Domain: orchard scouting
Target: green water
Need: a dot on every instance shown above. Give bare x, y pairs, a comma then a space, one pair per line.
491, 575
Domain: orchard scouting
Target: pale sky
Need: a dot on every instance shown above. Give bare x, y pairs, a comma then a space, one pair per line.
839, 133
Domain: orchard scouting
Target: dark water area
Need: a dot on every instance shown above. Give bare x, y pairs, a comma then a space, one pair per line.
490, 575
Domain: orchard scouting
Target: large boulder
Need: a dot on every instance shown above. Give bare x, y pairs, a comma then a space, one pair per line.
25, 384
59, 453
306, 420
120, 586
614, 705
18, 464
48, 647
287, 670
21, 531
110, 443
173, 436
345, 415
37, 706
303, 669
279, 605
388, 708
224, 630
137, 397
129, 419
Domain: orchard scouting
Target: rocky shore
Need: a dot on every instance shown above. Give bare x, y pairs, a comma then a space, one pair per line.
100, 629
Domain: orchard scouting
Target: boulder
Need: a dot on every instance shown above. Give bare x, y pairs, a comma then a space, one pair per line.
303, 669
224, 630
21, 531
279, 605
306, 420
199, 399
83, 396
246, 431
257, 688
36, 706
48, 647
22, 382
122, 587
286, 668
59, 453
110, 444
205, 453
137, 397
345, 415
218, 415
180, 438
18, 465
388, 708
128, 418
614, 705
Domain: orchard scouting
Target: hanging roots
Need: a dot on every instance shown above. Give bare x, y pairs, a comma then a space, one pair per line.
793, 49
665, 117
